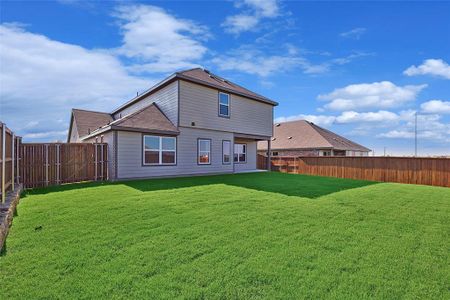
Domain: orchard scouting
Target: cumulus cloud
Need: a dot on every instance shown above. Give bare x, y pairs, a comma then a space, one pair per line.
356, 117
42, 79
355, 33
435, 67
429, 127
316, 119
436, 107
256, 10
382, 94
346, 117
158, 40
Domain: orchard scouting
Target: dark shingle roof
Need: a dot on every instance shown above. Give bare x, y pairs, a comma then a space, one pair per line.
147, 119
88, 121
306, 135
150, 117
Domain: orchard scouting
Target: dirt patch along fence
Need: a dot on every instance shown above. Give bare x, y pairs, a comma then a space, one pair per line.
9, 160
413, 170
46, 164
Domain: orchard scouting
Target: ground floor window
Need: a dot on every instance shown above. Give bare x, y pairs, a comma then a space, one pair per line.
275, 153
240, 153
159, 150
326, 153
204, 151
226, 152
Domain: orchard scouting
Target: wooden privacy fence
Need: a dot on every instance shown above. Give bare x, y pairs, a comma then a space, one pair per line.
58, 163
9, 160
415, 170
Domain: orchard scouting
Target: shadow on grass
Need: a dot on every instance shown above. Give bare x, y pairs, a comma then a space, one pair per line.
287, 184
273, 182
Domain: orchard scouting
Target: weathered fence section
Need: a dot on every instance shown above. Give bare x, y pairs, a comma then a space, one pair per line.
9, 160
414, 170
48, 164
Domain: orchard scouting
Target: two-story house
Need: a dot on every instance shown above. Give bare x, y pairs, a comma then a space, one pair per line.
193, 122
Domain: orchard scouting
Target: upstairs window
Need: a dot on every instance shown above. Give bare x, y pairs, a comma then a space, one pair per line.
224, 105
240, 153
159, 150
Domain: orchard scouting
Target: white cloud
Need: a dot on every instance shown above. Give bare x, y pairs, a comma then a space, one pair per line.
356, 117
355, 33
316, 119
255, 62
382, 94
436, 67
238, 23
42, 79
265, 8
436, 107
256, 10
249, 59
429, 127
426, 134
159, 41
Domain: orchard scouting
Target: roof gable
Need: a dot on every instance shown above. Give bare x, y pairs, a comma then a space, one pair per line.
87, 121
199, 76
150, 118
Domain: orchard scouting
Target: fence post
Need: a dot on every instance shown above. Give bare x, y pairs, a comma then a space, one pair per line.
12, 161
57, 163
101, 153
3, 160
17, 160
95, 161
46, 164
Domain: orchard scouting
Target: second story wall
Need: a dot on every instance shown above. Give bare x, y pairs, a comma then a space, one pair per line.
200, 104
166, 98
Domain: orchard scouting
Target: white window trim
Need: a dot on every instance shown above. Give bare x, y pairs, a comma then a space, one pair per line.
245, 152
227, 105
199, 151
160, 151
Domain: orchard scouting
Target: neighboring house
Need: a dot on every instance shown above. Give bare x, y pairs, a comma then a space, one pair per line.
303, 138
192, 122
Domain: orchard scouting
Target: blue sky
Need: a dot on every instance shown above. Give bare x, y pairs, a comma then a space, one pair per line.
360, 69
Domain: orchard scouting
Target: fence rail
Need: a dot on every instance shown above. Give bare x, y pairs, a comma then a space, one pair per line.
58, 163
9, 160
428, 171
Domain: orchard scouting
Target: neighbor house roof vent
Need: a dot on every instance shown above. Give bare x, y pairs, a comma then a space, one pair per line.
273, 139
289, 137
277, 125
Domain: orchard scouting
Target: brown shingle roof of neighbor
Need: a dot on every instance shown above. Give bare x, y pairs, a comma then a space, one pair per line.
88, 121
306, 135
205, 76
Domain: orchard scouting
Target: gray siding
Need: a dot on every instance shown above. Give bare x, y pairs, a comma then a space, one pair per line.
130, 155
74, 138
166, 98
199, 104
250, 165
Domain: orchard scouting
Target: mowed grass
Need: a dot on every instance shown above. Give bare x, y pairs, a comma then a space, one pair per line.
246, 236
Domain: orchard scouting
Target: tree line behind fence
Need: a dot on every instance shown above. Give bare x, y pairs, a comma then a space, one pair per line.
44, 164
415, 170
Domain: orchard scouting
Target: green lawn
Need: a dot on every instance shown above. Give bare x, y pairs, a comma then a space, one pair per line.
260, 235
